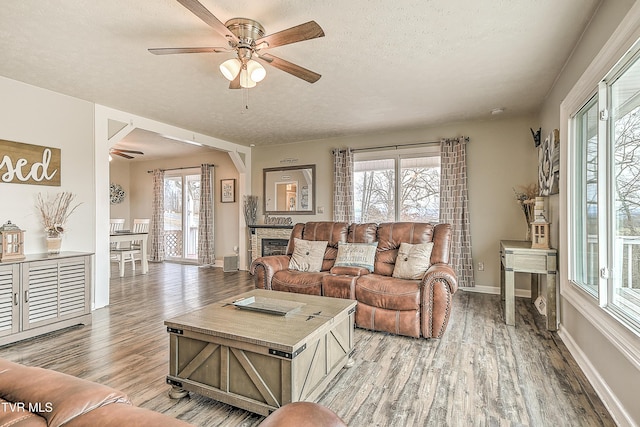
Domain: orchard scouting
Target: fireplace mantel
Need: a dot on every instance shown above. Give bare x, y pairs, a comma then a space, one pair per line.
267, 231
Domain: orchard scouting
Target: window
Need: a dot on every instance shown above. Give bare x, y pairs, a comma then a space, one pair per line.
605, 224
414, 175
587, 197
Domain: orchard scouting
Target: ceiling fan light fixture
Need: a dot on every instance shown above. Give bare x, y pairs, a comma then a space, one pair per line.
230, 68
245, 79
256, 71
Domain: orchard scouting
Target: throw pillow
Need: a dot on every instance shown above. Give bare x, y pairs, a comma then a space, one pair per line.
413, 260
307, 255
356, 255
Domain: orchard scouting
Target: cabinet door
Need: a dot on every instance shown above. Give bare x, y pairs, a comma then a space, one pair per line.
54, 290
9, 299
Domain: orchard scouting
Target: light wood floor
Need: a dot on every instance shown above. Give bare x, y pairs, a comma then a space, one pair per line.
481, 373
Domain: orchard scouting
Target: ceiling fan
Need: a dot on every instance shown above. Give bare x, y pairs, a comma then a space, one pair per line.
247, 39
124, 153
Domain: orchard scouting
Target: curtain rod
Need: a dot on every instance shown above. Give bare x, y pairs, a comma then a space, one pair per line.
184, 167
400, 146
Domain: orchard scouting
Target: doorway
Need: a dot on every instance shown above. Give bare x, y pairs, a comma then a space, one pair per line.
181, 215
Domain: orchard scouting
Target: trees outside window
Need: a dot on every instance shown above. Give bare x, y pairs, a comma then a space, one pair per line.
414, 177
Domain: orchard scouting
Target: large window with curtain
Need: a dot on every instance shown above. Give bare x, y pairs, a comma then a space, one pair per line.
397, 185
605, 192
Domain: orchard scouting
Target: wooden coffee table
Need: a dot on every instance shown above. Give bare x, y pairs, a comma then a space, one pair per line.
256, 360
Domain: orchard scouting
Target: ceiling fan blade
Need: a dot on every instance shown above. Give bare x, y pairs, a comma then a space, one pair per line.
291, 68
201, 12
172, 50
235, 83
308, 30
126, 151
117, 153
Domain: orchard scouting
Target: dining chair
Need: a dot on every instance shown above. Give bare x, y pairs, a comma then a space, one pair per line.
115, 224
140, 225
133, 252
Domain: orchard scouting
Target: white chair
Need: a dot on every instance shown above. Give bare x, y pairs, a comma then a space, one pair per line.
115, 224
140, 225
129, 254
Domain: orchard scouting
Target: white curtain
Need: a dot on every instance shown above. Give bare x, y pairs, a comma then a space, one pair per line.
343, 185
157, 217
453, 206
206, 253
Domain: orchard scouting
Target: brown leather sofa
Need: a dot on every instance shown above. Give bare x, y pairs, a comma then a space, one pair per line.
415, 308
36, 397
32, 396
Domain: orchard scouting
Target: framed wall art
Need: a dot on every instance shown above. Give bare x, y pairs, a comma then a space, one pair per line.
227, 190
549, 164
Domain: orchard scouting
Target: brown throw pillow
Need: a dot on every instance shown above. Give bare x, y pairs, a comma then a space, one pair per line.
307, 255
413, 260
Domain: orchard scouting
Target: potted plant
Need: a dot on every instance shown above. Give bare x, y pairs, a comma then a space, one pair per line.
54, 213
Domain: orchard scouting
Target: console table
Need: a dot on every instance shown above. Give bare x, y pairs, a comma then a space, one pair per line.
518, 257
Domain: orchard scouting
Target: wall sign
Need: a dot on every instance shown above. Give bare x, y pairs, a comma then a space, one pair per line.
29, 164
228, 190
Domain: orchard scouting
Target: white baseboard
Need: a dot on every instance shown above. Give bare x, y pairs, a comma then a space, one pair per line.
520, 293
613, 405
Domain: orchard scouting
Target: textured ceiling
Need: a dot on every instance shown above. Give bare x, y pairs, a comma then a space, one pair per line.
384, 64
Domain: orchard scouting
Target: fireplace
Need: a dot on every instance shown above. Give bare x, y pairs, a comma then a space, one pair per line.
274, 246
269, 239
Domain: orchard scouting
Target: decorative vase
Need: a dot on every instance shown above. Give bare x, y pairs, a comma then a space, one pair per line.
54, 243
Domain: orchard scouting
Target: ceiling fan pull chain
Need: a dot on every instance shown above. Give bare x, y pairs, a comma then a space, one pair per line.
245, 98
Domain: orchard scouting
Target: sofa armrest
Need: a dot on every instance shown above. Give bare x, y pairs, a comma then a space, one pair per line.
349, 271
442, 272
438, 286
263, 269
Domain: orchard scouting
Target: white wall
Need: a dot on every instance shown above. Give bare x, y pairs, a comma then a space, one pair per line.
501, 155
36, 116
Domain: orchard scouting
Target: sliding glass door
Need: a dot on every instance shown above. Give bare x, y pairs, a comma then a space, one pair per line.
181, 214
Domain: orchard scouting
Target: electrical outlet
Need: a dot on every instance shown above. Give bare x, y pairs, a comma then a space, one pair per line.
320, 209
481, 266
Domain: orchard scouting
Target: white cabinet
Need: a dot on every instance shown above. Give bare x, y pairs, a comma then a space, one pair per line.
44, 293
9, 299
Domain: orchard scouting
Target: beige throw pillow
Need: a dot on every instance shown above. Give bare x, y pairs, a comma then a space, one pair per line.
307, 255
413, 260
356, 255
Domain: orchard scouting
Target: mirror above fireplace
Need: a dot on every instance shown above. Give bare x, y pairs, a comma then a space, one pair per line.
290, 190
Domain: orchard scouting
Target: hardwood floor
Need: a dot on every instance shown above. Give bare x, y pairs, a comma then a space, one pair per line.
481, 373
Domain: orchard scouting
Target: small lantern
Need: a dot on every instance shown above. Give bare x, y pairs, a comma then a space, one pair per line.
540, 233
12, 242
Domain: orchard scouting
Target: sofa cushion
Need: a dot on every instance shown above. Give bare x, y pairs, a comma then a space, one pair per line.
363, 233
356, 255
413, 261
119, 415
333, 232
391, 235
307, 255
15, 414
400, 322
388, 292
301, 282
68, 396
